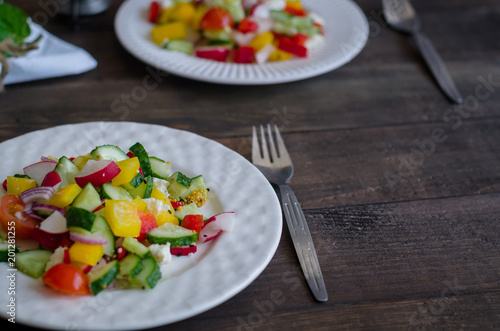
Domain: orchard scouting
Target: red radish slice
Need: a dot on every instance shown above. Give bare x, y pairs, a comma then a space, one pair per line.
36, 193
67, 258
183, 250
39, 170
97, 173
49, 240
47, 209
261, 11
87, 239
215, 225
52, 179
55, 223
247, 4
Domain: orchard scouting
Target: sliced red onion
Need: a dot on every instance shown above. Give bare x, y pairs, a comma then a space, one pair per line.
36, 193
48, 159
87, 239
46, 208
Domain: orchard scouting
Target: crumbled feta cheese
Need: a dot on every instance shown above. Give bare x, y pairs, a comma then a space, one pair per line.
161, 253
314, 42
276, 4
161, 185
56, 258
156, 207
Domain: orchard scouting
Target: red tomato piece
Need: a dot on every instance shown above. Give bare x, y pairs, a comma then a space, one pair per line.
193, 222
290, 46
216, 19
300, 38
244, 54
10, 208
247, 25
67, 278
295, 11
154, 11
148, 223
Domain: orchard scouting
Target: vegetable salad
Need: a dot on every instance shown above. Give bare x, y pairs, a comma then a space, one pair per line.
239, 31
105, 219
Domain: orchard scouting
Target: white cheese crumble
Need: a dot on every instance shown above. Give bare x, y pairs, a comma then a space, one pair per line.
56, 258
161, 253
156, 207
276, 4
161, 185
314, 42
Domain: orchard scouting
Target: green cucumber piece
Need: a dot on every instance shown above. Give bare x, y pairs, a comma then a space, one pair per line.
197, 183
281, 16
233, 7
67, 170
88, 198
160, 168
149, 276
143, 191
173, 234
130, 267
32, 262
284, 29
108, 152
101, 278
80, 218
134, 246
115, 192
183, 46
102, 228
190, 209
217, 35
138, 150
137, 180
179, 183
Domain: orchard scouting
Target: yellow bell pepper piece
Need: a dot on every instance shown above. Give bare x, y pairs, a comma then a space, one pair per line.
81, 160
86, 253
128, 170
65, 195
295, 4
279, 55
122, 217
164, 15
201, 10
141, 205
184, 12
18, 185
158, 195
262, 41
170, 31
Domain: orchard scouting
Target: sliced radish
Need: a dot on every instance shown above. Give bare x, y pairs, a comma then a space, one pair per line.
97, 173
39, 170
247, 4
183, 250
36, 194
243, 39
55, 223
67, 258
215, 225
261, 10
264, 54
47, 239
92, 239
52, 179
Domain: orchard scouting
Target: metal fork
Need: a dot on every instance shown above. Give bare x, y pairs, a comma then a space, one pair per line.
401, 16
278, 169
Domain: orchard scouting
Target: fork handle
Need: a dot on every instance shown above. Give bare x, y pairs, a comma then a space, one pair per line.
301, 237
437, 67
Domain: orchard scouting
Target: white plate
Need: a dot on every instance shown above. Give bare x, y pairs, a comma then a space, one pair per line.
346, 33
222, 268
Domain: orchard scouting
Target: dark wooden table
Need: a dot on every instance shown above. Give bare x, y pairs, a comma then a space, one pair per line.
400, 187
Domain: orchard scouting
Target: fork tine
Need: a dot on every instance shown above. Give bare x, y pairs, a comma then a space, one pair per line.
272, 147
265, 151
256, 155
284, 156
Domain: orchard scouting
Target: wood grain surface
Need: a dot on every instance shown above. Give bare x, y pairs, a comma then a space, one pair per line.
401, 188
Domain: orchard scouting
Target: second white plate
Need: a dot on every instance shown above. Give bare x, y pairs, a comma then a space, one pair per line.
346, 33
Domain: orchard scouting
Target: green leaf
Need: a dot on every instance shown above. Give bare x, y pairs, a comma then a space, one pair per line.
13, 23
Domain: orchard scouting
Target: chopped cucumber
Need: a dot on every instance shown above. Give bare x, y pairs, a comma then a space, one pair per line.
115, 192
134, 246
102, 228
281, 16
197, 183
174, 234
130, 266
80, 218
32, 262
284, 29
217, 35
179, 183
233, 7
190, 209
160, 168
143, 191
101, 278
138, 150
149, 276
108, 152
67, 170
183, 46
137, 180
88, 198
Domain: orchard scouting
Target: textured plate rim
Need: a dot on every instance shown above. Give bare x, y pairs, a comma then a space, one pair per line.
273, 214
338, 50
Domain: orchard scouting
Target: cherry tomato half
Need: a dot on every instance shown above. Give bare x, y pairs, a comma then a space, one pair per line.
9, 207
216, 19
67, 278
